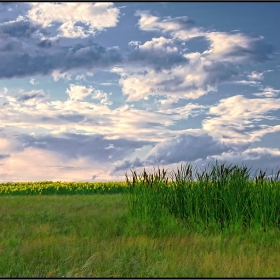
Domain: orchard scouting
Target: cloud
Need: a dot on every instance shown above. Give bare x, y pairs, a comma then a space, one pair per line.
159, 53
73, 146
236, 120
80, 56
34, 160
77, 115
237, 48
249, 83
32, 81
20, 37
147, 22
18, 29
191, 80
4, 156
78, 92
45, 44
27, 48
134, 43
89, 133
70, 15
268, 92
127, 164
186, 148
17, 36
218, 72
5, 90
258, 75
161, 66
224, 46
33, 94
172, 106
183, 147
252, 158
234, 131
80, 77
57, 75
111, 146
99, 94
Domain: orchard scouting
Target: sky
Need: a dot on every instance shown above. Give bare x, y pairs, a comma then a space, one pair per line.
90, 91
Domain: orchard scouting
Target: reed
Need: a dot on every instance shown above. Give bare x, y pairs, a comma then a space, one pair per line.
225, 199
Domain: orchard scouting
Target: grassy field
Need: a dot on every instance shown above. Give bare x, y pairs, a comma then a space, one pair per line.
92, 236
152, 229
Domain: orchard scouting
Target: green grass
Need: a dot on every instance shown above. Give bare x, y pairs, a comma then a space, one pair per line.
224, 200
222, 225
94, 236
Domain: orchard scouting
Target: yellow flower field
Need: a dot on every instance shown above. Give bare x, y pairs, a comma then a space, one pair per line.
69, 188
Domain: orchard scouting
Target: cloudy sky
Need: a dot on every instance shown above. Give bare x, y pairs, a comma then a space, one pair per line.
89, 91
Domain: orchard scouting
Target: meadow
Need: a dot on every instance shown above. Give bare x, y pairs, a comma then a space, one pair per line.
221, 224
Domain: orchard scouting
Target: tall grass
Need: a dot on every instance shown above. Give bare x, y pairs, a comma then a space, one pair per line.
225, 199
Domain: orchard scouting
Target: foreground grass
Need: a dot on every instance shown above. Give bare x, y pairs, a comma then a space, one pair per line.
93, 236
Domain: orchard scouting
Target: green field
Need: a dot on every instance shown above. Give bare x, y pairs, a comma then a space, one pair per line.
219, 226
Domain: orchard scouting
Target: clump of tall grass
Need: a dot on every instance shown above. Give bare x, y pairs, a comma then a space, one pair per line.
223, 199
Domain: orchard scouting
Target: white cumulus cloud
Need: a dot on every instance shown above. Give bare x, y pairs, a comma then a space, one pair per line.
95, 16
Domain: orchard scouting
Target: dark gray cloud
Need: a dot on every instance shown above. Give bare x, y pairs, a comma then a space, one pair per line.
12, 36
65, 118
184, 148
73, 146
174, 81
9, 47
218, 72
74, 118
32, 95
21, 65
18, 29
71, 117
127, 164
4, 156
44, 56
45, 44
157, 59
46, 119
169, 85
257, 51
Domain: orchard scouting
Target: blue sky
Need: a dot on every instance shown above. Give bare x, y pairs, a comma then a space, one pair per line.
89, 91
